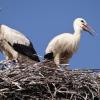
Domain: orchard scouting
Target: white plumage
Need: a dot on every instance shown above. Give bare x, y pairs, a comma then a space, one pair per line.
14, 36
62, 47
13, 42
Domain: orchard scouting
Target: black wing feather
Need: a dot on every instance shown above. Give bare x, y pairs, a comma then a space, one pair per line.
49, 56
26, 50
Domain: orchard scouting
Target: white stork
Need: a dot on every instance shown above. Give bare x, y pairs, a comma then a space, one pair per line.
13, 42
62, 47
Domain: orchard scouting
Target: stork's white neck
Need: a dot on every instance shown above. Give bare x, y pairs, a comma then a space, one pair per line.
77, 29
77, 32
77, 36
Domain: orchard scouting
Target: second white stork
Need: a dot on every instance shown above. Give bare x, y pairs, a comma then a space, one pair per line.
62, 47
13, 42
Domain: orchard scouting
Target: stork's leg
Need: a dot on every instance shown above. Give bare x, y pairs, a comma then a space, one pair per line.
9, 52
64, 60
6, 55
65, 57
57, 59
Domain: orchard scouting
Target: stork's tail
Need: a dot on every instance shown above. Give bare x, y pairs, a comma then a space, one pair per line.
49, 56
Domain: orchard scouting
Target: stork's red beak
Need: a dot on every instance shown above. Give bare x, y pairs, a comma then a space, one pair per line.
88, 29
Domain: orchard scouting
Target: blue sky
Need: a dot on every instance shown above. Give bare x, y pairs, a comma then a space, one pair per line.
41, 20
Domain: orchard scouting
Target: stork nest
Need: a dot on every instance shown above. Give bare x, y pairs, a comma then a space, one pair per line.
44, 81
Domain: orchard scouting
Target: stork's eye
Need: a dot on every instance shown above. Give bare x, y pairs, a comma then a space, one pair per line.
82, 21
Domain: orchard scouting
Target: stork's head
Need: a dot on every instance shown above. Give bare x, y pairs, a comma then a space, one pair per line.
81, 25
